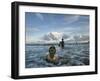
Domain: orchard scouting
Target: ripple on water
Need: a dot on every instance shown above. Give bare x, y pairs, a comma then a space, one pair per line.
71, 55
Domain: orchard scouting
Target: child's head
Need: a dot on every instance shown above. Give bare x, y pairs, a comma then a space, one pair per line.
52, 51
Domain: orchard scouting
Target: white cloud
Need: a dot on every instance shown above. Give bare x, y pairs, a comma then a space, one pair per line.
78, 38
55, 37
71, 19
64, 36
40, 16
81, 38
52, 36
46, 37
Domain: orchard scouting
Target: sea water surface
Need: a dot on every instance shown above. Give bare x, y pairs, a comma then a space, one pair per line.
71, 55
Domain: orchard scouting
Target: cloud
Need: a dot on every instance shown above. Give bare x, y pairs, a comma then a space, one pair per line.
81, 38
46, 37
77, 38
64, 36
84, 38
71, 18
28, 39
55, 36
32, 29
52, 36
40, 16
59, 36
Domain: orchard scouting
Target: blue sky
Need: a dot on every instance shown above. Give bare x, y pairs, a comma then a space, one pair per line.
41, 25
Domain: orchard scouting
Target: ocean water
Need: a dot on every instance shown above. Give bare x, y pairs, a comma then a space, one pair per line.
71, 55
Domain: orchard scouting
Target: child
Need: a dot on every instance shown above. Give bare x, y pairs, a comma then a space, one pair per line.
52, 57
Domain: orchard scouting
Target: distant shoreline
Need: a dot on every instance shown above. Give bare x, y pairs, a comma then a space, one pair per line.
56, 44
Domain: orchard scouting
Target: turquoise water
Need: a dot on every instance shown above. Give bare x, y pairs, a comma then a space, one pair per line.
71, 55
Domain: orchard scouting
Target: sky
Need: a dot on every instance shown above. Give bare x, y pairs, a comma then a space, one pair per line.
52, 27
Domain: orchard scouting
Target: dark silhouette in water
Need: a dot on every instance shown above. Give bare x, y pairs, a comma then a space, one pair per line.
61, 44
